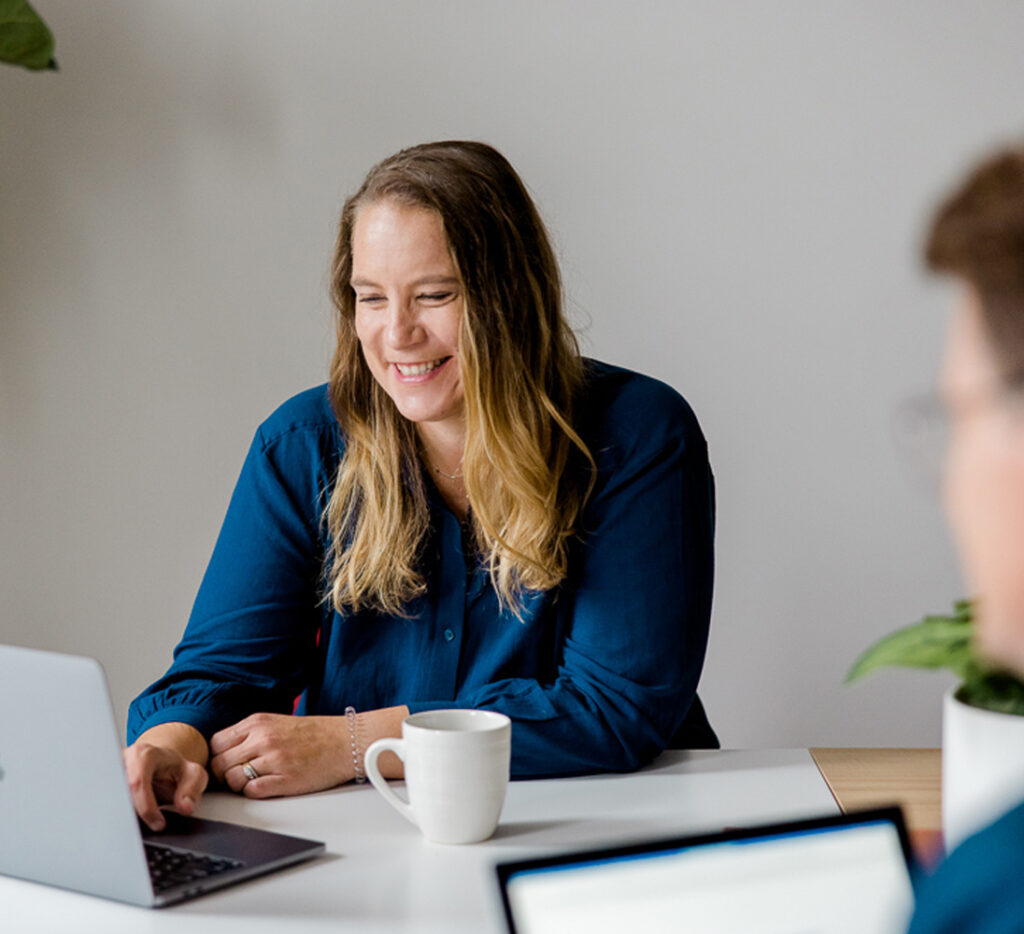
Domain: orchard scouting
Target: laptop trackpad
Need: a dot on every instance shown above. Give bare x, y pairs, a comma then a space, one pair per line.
230, 841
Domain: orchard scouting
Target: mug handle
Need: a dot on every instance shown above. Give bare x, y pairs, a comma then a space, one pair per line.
397, 746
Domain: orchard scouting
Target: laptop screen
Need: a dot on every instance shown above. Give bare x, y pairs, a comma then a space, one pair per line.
842, 875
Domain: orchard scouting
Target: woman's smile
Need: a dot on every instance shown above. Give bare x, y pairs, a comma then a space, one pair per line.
409, 307
419, 372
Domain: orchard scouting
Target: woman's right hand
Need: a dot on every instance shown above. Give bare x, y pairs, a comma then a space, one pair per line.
166, 765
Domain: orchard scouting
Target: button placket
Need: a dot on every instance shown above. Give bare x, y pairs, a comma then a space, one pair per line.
447, 637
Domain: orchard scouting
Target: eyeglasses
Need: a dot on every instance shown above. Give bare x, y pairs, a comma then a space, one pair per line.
921, 428
923, 425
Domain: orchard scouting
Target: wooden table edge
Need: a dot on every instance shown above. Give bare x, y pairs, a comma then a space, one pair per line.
911, 777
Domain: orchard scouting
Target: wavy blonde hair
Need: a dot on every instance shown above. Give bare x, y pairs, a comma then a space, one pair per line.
526, 471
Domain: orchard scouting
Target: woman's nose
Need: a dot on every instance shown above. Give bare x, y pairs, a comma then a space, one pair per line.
402, 326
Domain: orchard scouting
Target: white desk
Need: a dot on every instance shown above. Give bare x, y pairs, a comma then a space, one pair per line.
380, 876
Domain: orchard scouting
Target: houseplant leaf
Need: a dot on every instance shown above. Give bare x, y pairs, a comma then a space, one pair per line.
935, 642
24, 38
947, 642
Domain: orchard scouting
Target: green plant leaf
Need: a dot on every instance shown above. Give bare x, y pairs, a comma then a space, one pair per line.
24, 38
935, 642
947, 642
964, 609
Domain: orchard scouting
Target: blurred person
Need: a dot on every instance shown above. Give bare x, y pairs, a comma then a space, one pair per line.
977, 237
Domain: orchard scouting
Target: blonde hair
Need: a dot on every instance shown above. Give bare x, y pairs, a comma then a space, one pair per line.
526, 471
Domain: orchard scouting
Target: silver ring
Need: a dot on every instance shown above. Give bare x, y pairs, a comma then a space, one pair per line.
249, 772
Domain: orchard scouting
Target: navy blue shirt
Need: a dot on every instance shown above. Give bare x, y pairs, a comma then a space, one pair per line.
980, 888
599, 673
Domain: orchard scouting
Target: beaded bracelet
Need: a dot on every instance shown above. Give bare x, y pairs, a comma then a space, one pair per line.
353, 738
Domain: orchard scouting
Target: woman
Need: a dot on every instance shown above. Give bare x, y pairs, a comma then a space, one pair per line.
468, 515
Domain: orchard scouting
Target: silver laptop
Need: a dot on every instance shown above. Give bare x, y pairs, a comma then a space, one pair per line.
66, 817
846, 874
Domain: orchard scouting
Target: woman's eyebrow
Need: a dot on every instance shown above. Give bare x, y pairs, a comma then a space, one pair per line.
416, 283
436, 280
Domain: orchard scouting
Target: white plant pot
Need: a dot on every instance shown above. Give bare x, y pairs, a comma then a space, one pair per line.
982, 767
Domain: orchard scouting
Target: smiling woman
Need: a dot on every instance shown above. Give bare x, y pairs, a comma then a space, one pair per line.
469, 515
428, 226
409, 306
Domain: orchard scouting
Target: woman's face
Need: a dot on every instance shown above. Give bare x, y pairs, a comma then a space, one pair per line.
985, 485
409, 303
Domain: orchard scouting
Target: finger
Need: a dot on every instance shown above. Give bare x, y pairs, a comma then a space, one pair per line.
218, 766
235, 777
235, 756
266, 786
139, 772
146, 804
191, 785
228, 738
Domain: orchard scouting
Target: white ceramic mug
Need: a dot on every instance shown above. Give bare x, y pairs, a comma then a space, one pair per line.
456, 772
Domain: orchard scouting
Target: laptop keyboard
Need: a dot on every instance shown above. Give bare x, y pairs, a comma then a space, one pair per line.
169, 867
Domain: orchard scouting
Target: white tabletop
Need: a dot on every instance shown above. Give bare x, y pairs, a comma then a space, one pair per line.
380, 876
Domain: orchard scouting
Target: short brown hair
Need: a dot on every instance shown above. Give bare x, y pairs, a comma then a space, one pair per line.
978, 235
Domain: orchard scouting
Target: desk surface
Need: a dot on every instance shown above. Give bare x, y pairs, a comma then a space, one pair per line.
861, 778
379, 875
911, 778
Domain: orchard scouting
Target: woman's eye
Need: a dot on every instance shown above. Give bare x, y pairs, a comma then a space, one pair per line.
369, 299
436, 297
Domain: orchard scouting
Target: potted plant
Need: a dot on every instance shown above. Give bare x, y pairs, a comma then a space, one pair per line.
982, 718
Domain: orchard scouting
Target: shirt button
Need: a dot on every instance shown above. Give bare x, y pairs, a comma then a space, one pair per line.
448, 635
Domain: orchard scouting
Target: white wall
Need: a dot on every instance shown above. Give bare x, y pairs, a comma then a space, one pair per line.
737, 193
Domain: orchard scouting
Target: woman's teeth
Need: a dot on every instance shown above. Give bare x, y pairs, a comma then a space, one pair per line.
418, 369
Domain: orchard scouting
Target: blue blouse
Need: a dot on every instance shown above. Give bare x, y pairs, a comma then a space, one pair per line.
600, 673
980, 888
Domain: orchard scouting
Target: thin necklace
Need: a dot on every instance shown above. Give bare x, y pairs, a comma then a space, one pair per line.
451, 476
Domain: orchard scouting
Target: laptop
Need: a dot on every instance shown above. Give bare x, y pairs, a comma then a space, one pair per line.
845, 874
66, 817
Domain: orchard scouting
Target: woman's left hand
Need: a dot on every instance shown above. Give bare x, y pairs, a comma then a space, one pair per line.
290, 755
296, 755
